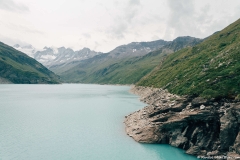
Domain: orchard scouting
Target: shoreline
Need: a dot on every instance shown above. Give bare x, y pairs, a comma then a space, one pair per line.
199, 126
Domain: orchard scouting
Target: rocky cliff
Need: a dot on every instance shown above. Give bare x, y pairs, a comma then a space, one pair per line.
201, 127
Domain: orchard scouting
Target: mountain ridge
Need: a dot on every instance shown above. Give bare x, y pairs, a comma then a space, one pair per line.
214, 70
109, 69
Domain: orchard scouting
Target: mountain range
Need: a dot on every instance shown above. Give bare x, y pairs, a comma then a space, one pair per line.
126, 64
52, 56
192, 85
149, 64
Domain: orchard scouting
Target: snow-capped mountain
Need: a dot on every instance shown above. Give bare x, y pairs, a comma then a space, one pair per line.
52, 56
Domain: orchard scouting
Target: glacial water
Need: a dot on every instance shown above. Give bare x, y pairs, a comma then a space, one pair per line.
72, 122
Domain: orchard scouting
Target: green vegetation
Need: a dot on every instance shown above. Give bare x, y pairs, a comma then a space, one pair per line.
210, 69
104, 69
17, 67
125, 71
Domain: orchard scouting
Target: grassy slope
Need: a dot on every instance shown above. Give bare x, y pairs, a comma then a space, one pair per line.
209, 69
105, 70
113, 71
19, 68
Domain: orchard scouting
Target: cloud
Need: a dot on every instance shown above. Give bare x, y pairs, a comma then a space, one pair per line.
181, 18
10, 5
134, 2
124, 21
117, 30
22, 28
237, 12
155, 37
86, 35
190, 17
96, 45
11, 42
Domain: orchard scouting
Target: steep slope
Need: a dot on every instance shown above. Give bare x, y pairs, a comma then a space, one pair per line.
204, 121
123, 68
210, 69
17, 67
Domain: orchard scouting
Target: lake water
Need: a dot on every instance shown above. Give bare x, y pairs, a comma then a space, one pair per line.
72, 122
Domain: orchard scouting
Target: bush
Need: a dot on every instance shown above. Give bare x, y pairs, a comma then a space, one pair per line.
209, 93
222, 45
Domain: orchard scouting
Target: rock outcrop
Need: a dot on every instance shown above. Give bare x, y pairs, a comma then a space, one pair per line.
199, 126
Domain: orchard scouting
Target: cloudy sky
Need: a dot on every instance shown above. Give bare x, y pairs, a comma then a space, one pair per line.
102, 25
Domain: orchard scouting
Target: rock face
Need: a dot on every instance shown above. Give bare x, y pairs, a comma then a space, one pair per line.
199, 126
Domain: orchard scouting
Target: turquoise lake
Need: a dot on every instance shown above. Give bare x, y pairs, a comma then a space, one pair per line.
72, 122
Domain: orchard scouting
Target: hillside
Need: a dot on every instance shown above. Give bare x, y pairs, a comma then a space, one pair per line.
210, 69
127, 51
123, 67
17, 67
193, 99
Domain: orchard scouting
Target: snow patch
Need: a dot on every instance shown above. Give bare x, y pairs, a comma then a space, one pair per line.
55, 50
48, 57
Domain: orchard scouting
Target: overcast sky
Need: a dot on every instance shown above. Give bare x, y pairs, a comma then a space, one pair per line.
102, 25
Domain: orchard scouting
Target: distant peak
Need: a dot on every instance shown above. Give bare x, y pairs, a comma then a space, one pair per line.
184, 37
62, 47
85, 48
135, 43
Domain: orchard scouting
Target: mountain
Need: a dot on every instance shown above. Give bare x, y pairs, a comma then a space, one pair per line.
210, 69
133, 49
126, 64
193, 99
17, 67
52, 57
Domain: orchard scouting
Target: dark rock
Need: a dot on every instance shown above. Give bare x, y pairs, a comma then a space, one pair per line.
195, 150
211, 130
198, 101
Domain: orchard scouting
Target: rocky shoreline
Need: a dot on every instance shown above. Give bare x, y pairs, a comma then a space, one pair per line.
199, 126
